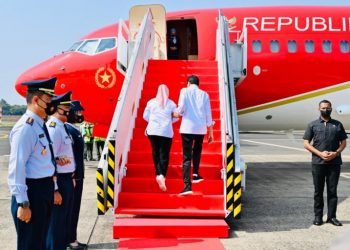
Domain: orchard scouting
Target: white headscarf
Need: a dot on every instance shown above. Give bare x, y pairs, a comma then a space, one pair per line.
162, 95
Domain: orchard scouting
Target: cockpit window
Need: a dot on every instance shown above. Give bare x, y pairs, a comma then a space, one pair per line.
75, 46
89, 47
106, 44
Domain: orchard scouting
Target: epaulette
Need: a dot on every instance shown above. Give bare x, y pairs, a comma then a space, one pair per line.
52, 124
30, 121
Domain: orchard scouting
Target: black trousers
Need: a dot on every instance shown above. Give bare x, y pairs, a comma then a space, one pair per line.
58, 236
191, 150
329, 174
32, 235
78, 192
160, 152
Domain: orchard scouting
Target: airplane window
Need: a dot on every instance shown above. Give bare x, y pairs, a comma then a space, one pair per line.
106, 44
344, 46
274, 46
89, 47
75, 46
256, 46
327, 46
292, 46
309, 46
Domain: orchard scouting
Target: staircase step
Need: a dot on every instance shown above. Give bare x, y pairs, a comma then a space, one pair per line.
146, 170
139, 132
148, 94
183, 71
175, 158
169, 228
215, 104
180, 63
143, 144
195, 201
174, 186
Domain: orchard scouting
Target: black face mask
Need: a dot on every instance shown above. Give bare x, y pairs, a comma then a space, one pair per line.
66, 113
326, 113
50, 107
79, 118
73, 118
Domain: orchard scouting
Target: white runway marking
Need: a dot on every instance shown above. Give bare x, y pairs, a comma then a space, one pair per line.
275, 145
345, 175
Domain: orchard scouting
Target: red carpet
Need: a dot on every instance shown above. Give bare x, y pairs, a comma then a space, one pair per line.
168, 244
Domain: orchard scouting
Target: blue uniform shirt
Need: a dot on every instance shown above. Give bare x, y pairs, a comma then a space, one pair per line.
30, 155
62, 144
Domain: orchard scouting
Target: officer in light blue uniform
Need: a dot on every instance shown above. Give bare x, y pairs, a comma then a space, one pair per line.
62, 146
32, 167
76, 116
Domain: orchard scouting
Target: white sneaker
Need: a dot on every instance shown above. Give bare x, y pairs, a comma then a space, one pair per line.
161, 182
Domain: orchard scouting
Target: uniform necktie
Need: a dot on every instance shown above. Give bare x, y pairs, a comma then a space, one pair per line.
50, 147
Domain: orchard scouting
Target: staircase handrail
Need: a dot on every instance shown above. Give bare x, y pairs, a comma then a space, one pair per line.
124, 116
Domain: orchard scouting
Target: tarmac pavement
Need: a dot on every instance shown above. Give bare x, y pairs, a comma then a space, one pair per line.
277, 204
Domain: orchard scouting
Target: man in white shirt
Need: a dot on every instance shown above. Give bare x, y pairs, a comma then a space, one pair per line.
194, 107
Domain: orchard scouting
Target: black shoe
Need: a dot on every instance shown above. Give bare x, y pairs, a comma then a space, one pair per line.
334, 221
318, 221
187, 190
197, 178
80, 246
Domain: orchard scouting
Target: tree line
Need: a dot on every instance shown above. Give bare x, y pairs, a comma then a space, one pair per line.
8, 109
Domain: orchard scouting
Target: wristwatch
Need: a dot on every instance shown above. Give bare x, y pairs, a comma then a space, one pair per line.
24, 204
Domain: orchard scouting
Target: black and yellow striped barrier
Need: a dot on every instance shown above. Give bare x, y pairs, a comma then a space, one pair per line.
233, 183
110, 173
100, 192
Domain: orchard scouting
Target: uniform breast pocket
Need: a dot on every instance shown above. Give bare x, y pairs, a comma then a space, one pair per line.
67, 141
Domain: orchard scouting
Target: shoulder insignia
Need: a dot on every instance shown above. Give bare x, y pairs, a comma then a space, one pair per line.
30, 121
52, 124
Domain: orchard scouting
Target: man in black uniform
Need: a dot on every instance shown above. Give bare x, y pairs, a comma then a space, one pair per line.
329, 140
173, 45
76, 116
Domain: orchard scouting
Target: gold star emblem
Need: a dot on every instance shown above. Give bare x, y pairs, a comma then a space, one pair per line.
105, 77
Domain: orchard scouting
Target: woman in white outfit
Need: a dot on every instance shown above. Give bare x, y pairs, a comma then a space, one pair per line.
159, 115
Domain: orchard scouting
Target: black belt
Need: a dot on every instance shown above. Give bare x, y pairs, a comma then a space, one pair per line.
66, 174
44, 179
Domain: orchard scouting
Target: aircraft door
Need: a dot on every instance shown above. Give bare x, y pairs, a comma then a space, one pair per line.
136, 15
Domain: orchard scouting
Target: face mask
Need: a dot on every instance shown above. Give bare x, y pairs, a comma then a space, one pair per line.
326, 113
50, 107
66, 113
73, 118
79, 118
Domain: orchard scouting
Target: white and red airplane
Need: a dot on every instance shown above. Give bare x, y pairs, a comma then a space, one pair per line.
296, 56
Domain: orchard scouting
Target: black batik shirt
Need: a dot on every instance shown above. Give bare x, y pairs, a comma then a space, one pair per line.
326, 136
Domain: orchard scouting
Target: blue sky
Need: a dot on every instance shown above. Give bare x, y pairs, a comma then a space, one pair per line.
32, 31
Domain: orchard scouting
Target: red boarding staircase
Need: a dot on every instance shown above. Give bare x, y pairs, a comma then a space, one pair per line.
166, 214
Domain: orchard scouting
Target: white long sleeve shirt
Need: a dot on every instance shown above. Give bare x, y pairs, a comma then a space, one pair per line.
194, 107
159, 119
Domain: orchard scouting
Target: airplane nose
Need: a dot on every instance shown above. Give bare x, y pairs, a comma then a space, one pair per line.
22, 90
